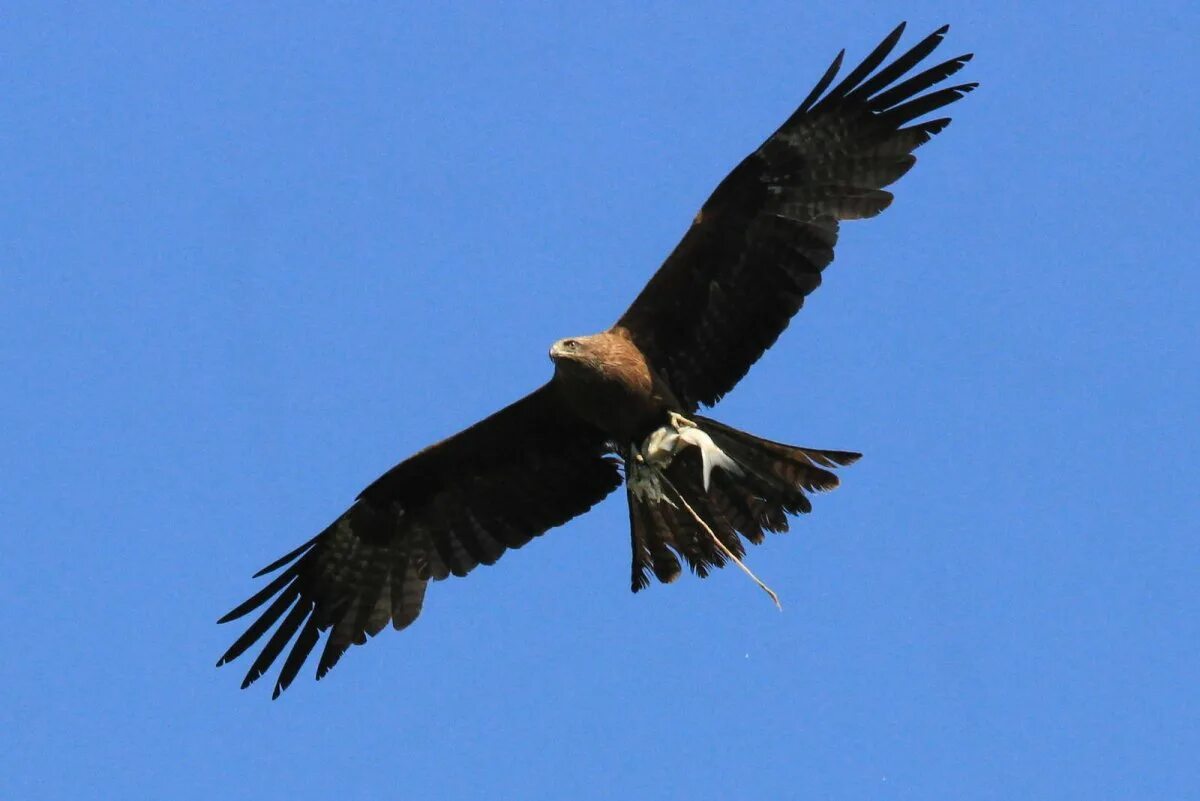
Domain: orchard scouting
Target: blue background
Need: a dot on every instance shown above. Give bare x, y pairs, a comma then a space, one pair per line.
252, 255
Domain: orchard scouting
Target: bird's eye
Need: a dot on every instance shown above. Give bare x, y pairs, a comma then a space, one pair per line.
570, 344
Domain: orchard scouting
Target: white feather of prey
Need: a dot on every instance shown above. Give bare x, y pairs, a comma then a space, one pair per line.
710, 454
663, 443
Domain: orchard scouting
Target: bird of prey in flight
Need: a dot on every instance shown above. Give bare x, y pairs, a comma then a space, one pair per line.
622, 404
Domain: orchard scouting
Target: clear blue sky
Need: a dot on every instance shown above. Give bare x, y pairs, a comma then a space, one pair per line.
250, 258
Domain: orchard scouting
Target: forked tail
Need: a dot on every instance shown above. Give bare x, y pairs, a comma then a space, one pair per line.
753, 484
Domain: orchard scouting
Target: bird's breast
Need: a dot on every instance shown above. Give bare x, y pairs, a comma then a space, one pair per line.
619, 398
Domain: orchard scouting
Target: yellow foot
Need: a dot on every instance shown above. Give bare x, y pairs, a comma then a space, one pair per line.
678, 421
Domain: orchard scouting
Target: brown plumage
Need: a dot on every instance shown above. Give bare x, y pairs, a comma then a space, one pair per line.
628, 396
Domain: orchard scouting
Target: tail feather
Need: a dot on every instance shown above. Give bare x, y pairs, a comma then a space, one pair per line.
784, 472
684, 477
766, 482
640, 533
663, 560
736, 505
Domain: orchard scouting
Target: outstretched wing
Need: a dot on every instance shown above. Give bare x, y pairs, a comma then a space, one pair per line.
760, 242
455, 505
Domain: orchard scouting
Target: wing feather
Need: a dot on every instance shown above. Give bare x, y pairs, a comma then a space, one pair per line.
288, 628
901, 65
868, 65
305, 642
260, 626
822, 84
262, 596
760, 242
455, 505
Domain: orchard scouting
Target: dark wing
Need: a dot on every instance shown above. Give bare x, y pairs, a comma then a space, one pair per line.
760, 242
450, 507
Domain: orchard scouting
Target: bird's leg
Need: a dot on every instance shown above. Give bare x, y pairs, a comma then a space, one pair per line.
678, 421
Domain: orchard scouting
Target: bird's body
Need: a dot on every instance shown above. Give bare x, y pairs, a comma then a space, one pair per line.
628, 397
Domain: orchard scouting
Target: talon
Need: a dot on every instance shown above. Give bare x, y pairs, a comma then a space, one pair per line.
678, 421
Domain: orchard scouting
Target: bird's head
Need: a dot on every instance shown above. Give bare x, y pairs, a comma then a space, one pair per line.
569, 349
574, 352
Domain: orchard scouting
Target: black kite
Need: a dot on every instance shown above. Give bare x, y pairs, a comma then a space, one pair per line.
622, 404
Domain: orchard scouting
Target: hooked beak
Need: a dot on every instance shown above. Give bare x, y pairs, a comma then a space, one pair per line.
566, 350
563, 349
